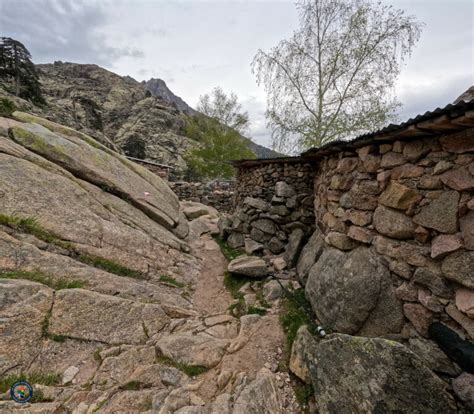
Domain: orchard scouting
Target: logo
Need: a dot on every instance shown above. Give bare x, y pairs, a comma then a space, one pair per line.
21, 392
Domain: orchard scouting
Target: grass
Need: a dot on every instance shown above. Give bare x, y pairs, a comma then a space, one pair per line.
7, 107
33, 378
99, 406
133, 386
256, 310
110, 266
37, 276
172, 281
295, 312
31, 226
233, 283
227, 251
189, 370
303, 392
45, 330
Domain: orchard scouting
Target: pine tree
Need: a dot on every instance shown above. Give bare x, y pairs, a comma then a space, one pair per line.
16, 68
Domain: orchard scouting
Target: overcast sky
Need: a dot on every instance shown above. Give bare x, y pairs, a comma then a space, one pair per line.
196, 45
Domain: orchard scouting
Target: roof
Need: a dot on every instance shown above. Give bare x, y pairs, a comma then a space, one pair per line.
169, 167
452, 118
260, 161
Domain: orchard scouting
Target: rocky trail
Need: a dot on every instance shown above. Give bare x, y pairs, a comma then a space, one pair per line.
113, 294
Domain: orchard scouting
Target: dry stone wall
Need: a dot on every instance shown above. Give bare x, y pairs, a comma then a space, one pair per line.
400, 214
218, 194
274, 208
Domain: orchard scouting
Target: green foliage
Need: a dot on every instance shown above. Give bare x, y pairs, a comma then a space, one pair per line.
234, 282
218, 144
45, 330
303, 392
171, 280
135, 147
7, 107
31, 226
110, 266
227, 251
38, 397
295, 312
189, 370
17, 68
33, 378
256, 310
40, 277
132, 386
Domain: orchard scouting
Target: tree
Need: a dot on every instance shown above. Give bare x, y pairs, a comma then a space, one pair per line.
225, 109
334, 77
218, 144
16, 67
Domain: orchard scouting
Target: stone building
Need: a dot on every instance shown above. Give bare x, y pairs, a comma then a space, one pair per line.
380, 229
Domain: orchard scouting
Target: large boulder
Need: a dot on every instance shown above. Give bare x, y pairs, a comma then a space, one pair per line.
374, 375
251, 266
192, 210
310, 254
82, 314
293, 247
104, 168
353, 291
261, 396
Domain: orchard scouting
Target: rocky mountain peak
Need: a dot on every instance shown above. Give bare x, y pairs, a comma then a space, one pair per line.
158, 88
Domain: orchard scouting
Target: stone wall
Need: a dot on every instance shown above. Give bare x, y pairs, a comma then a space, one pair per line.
274, 208
218, 194
398, 215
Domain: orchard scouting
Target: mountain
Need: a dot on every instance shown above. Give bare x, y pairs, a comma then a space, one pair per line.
159, 89
467, 96
141, 119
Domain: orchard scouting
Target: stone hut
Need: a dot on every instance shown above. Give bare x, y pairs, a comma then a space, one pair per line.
162, 170
380, 229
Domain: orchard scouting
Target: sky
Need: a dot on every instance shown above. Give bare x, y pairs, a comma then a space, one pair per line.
196, 45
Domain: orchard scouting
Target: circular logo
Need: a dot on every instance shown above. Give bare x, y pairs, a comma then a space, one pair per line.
21, 392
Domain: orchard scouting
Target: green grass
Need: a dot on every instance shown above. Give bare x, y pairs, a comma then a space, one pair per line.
296, 312
7, 107
37, 276
189, 370
133, 386
256, 310
33, 378
110, 266
99, 406
227, 251
45, 330
303, 392
31, 226
234, 282
172, 281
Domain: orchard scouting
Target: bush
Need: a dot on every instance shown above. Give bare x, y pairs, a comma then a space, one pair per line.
7, 107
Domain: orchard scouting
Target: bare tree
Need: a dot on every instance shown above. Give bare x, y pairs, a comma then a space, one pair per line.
224, 108
334, 77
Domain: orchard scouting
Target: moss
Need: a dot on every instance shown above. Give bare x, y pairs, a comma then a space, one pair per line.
99, 406
33, 378
133, 386
97, 356
189, 370
36, 143
110, 266
303, 393
229, 252
45, 330
255, 310
171, 280
296, 312
37, 276
233, 283
31, 226
7, 107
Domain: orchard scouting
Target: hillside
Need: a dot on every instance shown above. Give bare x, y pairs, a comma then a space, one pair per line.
119, 112
115, 299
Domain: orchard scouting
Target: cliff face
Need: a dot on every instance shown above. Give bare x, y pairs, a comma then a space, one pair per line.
144, 120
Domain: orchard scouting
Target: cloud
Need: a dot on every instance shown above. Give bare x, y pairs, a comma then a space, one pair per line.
71, 30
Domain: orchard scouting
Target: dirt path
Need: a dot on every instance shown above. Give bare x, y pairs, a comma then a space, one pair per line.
210, 296
258, 342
